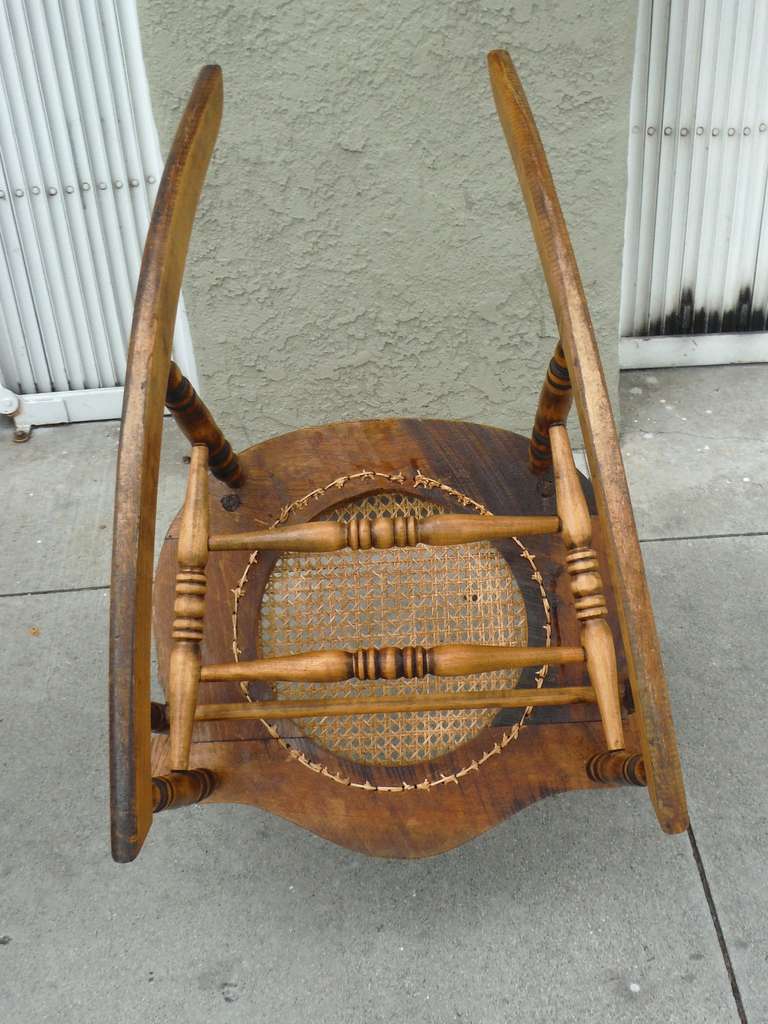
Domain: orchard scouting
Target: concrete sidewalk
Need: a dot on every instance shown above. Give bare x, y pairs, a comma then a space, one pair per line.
576, 910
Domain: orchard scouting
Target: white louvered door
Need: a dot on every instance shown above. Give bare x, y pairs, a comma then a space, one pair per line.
79, 167
695, 272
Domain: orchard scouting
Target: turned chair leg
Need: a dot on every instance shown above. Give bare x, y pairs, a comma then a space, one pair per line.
199, 427
587, 586
188, 610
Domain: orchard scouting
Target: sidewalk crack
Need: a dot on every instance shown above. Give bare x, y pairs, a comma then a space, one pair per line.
718, 927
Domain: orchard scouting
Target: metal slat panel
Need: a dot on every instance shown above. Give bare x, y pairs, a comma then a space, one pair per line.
102, 187
44, 196
744, 260
669, 307
125, 118
731, 137
696, 237
15, 366
79, 167
702, 126
637, 120
109, 118
149, 147
111, 354
651, 156
704, 284
55, 154
668, 163
26, 269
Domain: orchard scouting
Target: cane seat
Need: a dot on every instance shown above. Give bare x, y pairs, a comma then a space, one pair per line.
395, 632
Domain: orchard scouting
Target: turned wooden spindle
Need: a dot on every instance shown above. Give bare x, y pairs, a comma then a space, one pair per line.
587, 586
390, 663
617, 768
554, 405
199, 427
394, 703
385, 532
188, 610
180, 789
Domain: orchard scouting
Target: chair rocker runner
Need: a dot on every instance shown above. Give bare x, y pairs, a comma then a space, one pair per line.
396, 685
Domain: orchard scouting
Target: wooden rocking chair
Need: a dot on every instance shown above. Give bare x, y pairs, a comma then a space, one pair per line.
394, 633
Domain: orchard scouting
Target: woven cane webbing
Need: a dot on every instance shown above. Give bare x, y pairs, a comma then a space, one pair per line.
422, 595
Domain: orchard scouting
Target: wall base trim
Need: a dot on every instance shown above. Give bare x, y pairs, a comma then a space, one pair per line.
693, 350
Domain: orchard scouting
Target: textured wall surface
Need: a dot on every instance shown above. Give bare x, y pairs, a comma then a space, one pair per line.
362, 248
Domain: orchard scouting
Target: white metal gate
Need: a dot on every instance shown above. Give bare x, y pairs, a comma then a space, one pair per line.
695, 273
79, 167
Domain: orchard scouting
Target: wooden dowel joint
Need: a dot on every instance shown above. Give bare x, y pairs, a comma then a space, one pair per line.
182, 788
616, 768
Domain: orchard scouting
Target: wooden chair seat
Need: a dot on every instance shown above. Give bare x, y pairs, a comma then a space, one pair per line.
394, 633
276, 765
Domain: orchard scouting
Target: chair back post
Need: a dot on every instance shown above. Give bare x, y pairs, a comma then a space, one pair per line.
601, 440
147, 375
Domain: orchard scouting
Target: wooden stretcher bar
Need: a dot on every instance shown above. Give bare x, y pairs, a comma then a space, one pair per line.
389, 704
390, 663
385, 532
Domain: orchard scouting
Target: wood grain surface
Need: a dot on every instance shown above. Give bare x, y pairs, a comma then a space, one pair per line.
624, 558
550, 754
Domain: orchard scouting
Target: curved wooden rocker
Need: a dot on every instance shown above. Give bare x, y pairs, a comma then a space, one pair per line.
343, 571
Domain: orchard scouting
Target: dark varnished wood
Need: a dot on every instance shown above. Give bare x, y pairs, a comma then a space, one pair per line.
617, 768
546, 760
182, 788
638, 628
199, 427
554, 405
159, 717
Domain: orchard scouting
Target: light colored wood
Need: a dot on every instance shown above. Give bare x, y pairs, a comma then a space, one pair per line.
587, 586
149, 356
638, 629
188, 610
390, 663
385, 532
278, 709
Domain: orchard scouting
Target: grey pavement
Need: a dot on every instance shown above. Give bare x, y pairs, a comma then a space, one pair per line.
578, 909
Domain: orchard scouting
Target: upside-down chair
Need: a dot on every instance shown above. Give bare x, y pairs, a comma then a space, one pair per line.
394, 633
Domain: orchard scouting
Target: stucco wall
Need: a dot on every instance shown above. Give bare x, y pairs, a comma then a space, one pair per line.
361, 248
